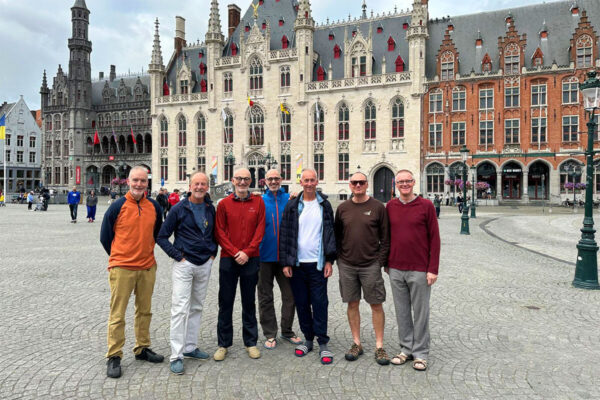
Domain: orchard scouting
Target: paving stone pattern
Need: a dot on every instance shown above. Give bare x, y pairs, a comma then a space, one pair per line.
505, 323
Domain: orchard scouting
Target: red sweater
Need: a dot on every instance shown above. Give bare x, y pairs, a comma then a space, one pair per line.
415, 236
240, 225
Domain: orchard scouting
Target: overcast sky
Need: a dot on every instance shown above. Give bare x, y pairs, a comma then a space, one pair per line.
35, 32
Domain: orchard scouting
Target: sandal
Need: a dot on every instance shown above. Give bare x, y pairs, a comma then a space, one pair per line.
271, 341
326, 357
420, 364
292, 339
301, 350
400, 359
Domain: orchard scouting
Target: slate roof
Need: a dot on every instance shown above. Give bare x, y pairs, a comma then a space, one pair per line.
192, 58
557, 15
5, 108
98, 86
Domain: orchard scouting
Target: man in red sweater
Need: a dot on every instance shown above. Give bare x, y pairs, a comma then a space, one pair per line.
239, 230
413, 267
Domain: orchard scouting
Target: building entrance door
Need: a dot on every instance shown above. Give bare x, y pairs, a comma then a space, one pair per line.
383, 185
512, 175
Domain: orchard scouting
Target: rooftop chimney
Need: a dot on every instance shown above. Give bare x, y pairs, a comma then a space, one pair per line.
234, 18
179, 34
113, 73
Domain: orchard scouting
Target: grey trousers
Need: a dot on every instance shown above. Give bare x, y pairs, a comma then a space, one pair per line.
266, 306
411, 300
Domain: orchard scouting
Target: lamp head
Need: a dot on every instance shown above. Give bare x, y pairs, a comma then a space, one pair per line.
464, 153
590, 90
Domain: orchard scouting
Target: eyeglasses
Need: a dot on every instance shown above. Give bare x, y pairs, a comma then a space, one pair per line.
356, 183
274, 179
242, 178
408, 182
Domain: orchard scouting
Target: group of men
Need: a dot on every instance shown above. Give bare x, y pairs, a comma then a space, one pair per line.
268, 238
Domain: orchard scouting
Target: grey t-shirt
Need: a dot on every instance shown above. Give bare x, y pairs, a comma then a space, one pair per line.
199, 211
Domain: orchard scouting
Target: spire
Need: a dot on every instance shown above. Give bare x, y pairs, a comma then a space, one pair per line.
44, 81
157, 61
79, 4
364, 9
214, 24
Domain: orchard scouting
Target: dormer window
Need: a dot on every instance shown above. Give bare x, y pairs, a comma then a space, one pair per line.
281, 21
380, 29
391, 44
337, 51
538, 58
353, 33
234, 49
544, 34
200, 55
331, 36
202, 68
183, 86
479, 43
203, 85
574, 10
486, 63
247, 28
399, 64
450, 27
261, 2
320, 73
405, 26
264, 25
284, 42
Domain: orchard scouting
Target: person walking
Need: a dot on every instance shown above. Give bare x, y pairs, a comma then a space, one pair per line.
459, 202
447, 198
192, 220
173, 198
413, 268
29, 200
362, 239
239, 230
163, 201
128, 234
91, 202
73, 198
307, 251
437, 203
275, 200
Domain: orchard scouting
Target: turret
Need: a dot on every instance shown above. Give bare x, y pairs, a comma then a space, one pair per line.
214, 47
304, 28
44, 91
417, 35
156, 68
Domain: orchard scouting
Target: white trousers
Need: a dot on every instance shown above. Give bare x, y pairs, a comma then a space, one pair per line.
190, 283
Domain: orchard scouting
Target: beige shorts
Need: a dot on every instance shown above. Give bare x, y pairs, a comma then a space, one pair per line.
369, 278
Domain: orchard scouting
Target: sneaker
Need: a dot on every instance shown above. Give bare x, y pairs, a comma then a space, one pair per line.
220, 354
148, 355
197, 353
113, 367
381, 357
253, 352
177, 367
355, 351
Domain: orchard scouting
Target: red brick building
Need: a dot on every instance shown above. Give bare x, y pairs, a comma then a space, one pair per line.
505, 84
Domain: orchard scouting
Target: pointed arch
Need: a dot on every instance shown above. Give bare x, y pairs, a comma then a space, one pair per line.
397, 117
343, 112
320, 73
391, 44
399, 64
318, 113
227, 126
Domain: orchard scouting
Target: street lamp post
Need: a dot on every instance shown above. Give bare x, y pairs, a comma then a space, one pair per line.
230, 160
473, 193
464, 226
586, 270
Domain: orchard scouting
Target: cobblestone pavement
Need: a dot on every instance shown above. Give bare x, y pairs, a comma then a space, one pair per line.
505, 322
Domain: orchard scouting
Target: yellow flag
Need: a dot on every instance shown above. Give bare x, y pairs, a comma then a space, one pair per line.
2, 127
283, 109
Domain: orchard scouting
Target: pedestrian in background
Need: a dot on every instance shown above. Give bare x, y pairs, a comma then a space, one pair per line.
128, 235
29, 200
173, 198
437, 203
91, 202
163, 201
73, 198
413, 268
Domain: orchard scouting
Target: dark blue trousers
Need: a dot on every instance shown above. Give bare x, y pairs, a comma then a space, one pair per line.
309, 287
229, 274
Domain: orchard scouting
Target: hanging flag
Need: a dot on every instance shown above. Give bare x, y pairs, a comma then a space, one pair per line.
250, 102
223, 114
298, 167
3, 127
132, 137
116, 141
214, 163
283, 109
96, 138
318, 112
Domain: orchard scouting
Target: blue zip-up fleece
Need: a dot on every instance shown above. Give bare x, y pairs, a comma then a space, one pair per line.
73, 197
274, 205
190, 242
288, 237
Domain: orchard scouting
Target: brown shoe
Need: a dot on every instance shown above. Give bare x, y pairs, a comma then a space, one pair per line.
381, 357
355, 351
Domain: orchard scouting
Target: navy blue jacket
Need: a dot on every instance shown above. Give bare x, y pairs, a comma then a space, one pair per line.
288, 233
274, 206
190, 243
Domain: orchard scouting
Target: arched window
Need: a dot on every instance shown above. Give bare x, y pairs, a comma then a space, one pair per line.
570, 174
140, 143
391, 44
337, 52
584, 45
343, 122
285, 76
399, 64
256, 71
228, 128
105, 145
101, 120
397, 119
148, 143
370, 123
256, 127
318, 123
227, 82
447, 66
124, 119
435, 178
90, 146
164, 133
201, 137
284, 42
286, 125
320, 73
181, 131
512, 59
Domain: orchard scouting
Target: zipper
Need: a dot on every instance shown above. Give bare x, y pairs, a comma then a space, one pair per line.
276, 229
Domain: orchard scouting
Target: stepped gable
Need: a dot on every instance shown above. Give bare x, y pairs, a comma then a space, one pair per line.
492, 25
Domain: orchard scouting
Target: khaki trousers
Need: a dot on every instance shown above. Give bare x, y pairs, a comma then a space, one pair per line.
122, 282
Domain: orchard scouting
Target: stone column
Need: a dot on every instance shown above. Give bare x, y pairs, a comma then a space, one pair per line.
525, 190
499, 185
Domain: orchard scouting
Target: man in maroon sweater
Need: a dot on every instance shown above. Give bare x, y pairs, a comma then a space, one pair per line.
413, 267
239, 229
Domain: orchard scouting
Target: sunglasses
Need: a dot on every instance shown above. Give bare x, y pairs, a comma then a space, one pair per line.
356, 183
275, 179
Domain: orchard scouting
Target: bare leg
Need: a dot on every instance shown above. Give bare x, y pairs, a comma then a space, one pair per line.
378, 323
354, 320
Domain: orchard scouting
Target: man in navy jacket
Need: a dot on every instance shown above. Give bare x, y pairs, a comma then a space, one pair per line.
192, 220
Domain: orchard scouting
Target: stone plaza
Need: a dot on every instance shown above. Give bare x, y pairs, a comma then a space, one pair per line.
505, 321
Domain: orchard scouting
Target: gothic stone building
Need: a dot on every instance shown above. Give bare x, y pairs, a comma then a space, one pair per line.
75, 107
336, 97
505, 84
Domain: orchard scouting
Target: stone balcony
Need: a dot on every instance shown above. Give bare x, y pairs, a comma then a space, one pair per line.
357, 82
183, 98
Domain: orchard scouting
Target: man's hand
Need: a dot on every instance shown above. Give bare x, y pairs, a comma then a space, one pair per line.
328, 270
387, 270
431, 278
287, 271
241, 257
293, 195
182, 260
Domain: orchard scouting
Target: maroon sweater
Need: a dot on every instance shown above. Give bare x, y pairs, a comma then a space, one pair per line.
415, 236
